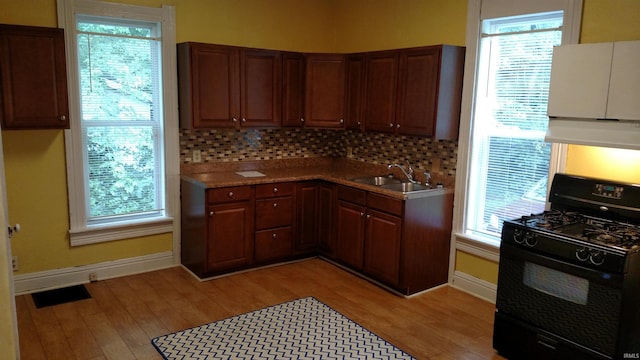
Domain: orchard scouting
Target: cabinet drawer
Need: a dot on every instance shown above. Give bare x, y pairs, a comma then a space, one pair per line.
275, 212
273, 244
274, 190
385, 204
352, 195
229, 194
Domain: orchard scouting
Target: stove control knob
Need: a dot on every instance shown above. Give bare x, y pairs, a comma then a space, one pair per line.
597, 257
530, 239
583, 254
518, 236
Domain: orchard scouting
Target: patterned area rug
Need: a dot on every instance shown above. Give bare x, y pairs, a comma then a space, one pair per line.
301, 329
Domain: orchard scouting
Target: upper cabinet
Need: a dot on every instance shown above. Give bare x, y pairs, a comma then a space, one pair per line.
225, 86
415, 91
325, 83
596, 81
354, 118
293, 75
34, 79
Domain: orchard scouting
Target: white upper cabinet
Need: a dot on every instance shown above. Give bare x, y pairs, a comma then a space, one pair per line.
598, 81
624, 86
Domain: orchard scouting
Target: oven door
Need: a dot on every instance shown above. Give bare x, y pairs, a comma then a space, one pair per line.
558, 301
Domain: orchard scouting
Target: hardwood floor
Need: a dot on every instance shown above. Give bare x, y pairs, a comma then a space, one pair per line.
124, 314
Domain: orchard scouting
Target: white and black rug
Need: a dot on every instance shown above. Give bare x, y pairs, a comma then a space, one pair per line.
300, 329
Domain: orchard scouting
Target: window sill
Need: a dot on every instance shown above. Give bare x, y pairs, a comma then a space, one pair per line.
111, 232
484, 247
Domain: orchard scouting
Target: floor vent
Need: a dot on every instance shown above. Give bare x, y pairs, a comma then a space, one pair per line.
60, 296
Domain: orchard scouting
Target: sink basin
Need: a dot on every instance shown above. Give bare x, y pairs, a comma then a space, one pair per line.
377, 180
405, 187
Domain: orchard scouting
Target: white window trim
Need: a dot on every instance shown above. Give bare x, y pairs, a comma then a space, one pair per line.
477, 10
80, 233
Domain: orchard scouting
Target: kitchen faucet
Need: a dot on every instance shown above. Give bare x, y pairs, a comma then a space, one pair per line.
408, 173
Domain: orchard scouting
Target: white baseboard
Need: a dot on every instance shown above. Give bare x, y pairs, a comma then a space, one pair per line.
52, 279
475, 286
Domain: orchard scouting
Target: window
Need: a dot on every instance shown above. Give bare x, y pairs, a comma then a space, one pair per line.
503, 161
509, 155
119, 153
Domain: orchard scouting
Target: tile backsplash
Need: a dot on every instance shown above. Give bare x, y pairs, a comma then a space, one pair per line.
439, 156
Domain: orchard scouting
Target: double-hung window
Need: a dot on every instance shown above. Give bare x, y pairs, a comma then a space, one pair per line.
504, 159
117, 148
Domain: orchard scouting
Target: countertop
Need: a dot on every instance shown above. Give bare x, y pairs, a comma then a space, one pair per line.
339, 171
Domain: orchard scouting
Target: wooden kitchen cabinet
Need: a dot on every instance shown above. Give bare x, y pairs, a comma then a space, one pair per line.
383, 239
307, 213
327, 219
293, 76
381, 91
33, 78
324, 94
217, 228
415, 91
354, 106
274, 221
227, 86
350, 230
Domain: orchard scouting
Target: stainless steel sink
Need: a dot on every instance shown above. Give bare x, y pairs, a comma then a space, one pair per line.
406, 187
377, 180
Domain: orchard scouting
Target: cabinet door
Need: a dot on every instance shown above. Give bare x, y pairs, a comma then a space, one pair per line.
382, 247
34, 78
324, 105
209, 85
580, 80
326, 218
350, 234
380, 94
293, 90
307, 216
230, 236
355, 95
261, 86
417, 91
624, 86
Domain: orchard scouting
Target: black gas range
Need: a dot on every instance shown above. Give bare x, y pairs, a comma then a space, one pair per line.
569, 278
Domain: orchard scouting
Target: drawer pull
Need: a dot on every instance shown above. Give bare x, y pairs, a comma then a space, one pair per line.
275, 204
275, 236
230, 194
275, 190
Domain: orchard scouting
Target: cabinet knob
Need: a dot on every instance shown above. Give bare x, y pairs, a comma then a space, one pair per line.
275, 236
235, 120
390, 125
398, 126
211, 213
230, 194
368, 216
244, 120
63, 118
275, 189
359, 123
341, 121
361, 214
301, 120
275, 204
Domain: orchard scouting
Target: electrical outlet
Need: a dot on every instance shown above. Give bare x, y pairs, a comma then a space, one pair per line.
197, 156
15, 265
93, 276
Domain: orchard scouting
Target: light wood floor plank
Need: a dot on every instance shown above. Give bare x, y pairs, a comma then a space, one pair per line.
124, 314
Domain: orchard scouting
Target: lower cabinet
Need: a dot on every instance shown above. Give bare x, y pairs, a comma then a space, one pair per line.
275, 206
403, 244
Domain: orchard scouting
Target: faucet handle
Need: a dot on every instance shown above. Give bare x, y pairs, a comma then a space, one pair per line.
427, 178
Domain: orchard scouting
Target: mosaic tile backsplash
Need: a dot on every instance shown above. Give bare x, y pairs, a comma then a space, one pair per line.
439, 156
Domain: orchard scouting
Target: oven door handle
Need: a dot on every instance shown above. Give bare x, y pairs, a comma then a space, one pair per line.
510, 251
547, 342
